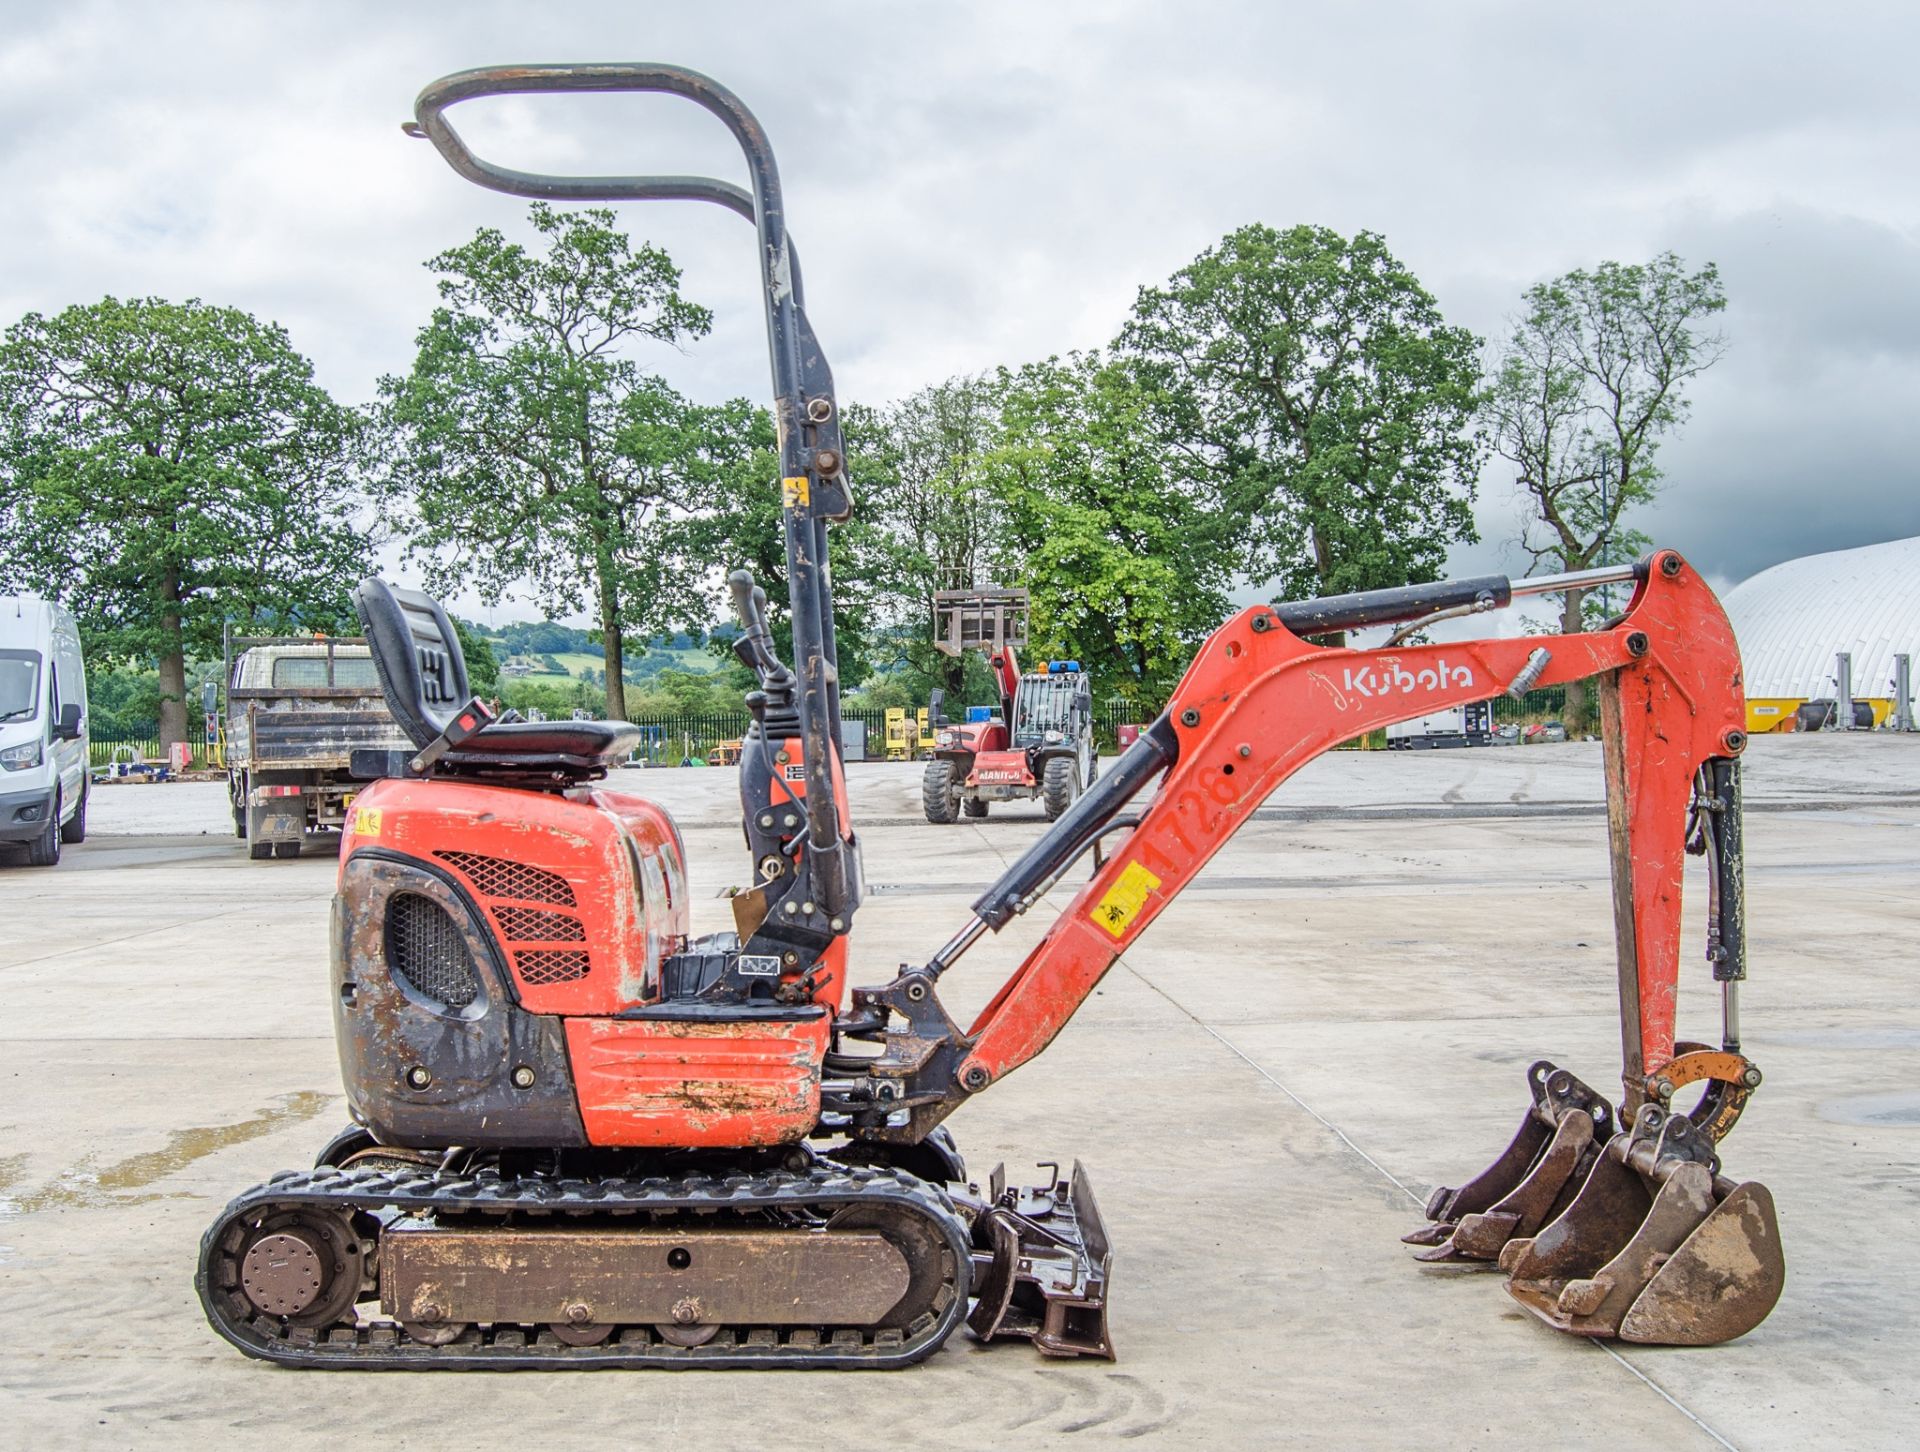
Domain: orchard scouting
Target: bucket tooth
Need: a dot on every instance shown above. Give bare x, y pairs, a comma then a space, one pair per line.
1657, 1247
1042, 1266
1531, 1181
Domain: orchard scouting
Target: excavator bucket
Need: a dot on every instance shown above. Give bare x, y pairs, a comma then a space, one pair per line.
1041, 1263
1532, 1181
1657, 1247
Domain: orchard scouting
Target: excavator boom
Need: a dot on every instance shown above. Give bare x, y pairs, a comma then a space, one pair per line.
1258, 702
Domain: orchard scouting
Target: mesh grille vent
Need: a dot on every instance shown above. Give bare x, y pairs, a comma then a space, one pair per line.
530, 925
497, 877
427, 951
551, 966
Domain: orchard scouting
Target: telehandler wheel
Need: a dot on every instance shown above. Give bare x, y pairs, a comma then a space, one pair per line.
1059, 785
937, 792
974, 806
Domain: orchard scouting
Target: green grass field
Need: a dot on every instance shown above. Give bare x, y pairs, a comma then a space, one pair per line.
696, 659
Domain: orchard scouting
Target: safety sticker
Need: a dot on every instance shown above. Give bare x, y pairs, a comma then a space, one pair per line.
758, 965
793, 492
366, 821
1125, 898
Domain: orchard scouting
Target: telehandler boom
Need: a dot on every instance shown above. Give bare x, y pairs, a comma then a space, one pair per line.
584, 1138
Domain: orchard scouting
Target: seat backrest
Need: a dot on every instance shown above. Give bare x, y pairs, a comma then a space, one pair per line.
423, 672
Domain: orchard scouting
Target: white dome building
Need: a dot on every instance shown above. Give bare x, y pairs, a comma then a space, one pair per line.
1792, 620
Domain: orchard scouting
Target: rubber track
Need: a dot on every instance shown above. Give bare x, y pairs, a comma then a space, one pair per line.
386, 1347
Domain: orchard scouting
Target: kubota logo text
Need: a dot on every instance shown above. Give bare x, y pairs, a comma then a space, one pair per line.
1397, 680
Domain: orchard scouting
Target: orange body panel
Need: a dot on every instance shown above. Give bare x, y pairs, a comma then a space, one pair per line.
555, 876
1256, 705
586, 894
645, 1082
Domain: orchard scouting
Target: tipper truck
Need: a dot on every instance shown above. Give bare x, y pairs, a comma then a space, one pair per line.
297, 709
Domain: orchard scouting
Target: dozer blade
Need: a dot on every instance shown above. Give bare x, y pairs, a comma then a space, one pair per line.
1658, 1246
1041, 1264
1531, 1182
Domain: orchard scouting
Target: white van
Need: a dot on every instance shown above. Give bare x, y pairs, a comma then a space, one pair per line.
43, 728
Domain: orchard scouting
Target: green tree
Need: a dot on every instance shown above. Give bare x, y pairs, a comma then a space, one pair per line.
1116, 540
920, 465
1316, 377
1590, 382
167, 468
530, 445
122, 704
483, 670
739, 525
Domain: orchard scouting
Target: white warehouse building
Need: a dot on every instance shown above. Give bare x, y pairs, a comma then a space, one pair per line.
1793, 620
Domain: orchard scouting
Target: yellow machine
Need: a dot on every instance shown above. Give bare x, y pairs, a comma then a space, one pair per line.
899, 735
924, 718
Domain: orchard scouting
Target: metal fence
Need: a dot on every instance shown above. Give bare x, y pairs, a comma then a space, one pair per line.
1549, 703
671, 738
101, 750
675, 737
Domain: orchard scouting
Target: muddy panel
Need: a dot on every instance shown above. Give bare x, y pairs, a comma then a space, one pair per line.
434, 1050
713, 1084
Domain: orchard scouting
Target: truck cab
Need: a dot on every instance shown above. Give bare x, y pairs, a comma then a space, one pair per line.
43, 728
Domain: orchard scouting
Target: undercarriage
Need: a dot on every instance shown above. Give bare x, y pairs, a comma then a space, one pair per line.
391, 1262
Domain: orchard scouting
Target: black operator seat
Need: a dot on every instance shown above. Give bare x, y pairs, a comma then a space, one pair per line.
423, 675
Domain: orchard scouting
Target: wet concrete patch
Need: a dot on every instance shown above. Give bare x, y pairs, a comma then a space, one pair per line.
1898, 1109
1847, 1038
90, 1185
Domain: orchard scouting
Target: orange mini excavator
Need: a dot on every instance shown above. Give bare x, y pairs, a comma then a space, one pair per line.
584, 1138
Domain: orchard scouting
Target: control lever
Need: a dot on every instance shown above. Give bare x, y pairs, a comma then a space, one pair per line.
755, 645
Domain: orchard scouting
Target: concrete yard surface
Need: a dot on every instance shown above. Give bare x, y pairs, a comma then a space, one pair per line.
1335, 1018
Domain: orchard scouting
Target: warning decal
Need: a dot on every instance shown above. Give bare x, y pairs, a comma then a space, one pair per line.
366, 821
793, 492
1122, 904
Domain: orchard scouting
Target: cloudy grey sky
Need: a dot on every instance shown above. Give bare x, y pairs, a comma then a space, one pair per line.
978, 183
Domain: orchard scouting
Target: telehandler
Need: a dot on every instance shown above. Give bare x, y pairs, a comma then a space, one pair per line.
583, 1138
1040, 741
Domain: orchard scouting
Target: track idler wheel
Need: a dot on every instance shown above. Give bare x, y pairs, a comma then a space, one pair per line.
1531, 1181
300, 1266
1657, 1247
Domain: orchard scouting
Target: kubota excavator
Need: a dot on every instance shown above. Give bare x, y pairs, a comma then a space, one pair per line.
583, 1138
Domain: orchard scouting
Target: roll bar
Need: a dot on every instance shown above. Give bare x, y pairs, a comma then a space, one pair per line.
814, 485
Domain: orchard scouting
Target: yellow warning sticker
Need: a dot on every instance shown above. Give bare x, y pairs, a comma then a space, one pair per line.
366, 821
793, 492
1125, 898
